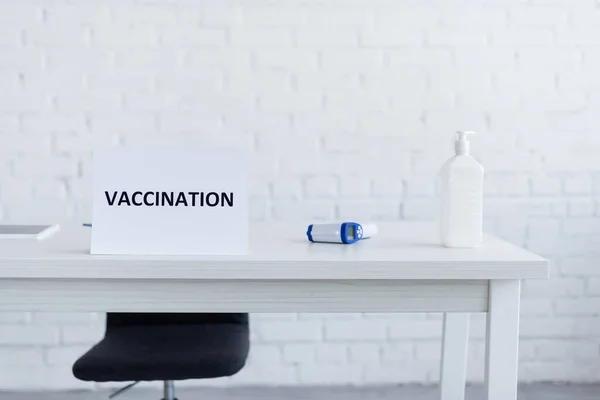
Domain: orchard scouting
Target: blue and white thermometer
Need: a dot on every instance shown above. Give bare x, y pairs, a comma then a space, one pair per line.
345, 232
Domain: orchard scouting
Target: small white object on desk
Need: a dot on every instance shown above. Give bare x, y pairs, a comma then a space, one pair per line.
37, 232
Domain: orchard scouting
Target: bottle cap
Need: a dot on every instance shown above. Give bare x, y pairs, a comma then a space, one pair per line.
462, 144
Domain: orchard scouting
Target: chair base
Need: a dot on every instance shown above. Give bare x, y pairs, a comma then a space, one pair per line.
169, 390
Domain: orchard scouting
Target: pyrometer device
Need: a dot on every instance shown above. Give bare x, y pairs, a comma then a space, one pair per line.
344, 232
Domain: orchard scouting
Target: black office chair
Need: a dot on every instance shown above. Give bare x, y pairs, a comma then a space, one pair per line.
166, 347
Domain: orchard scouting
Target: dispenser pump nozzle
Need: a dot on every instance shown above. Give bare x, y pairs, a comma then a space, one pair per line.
462, 144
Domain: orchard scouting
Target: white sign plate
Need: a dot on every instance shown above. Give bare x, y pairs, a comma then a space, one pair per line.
170, 201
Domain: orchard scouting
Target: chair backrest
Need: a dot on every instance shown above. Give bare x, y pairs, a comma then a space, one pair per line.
116, 320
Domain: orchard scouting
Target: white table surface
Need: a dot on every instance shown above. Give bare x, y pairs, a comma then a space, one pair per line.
401, 250
402, 269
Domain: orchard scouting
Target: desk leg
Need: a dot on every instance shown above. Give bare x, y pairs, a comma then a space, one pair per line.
502, 340
454, 356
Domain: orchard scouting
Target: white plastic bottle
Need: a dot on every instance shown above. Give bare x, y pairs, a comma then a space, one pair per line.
462, 197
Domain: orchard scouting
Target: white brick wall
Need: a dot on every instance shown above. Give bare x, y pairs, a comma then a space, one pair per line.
347, 110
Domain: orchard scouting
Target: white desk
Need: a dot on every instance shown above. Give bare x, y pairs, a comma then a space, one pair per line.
403, 269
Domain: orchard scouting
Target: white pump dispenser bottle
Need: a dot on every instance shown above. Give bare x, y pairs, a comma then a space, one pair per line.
462, 197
